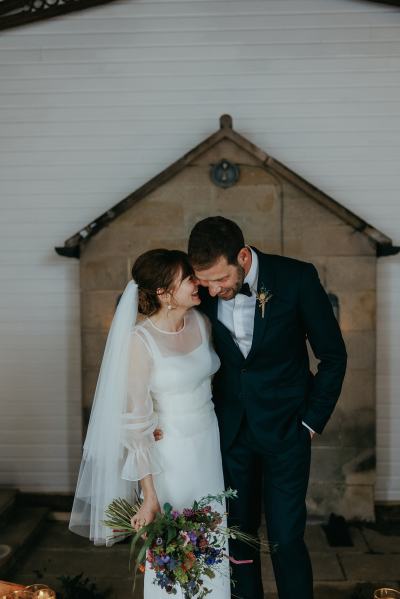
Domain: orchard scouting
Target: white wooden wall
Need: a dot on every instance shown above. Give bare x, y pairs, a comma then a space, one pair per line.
92, 105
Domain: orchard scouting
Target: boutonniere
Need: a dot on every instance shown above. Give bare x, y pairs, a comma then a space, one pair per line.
263, 297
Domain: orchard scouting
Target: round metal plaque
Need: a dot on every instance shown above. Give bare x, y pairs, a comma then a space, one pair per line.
224, 173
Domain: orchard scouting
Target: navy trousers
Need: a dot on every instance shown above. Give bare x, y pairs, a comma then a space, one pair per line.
279, 480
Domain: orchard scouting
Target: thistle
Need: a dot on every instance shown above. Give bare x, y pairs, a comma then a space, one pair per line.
263, 297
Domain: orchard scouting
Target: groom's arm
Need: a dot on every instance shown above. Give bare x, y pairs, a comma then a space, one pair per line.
327, 343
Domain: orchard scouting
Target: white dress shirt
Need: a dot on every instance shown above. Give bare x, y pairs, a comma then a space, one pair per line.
237, 314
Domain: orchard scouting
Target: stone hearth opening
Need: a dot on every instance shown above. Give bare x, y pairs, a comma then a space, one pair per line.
279, 213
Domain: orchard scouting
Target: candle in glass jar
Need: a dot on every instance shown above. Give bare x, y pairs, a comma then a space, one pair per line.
44, 594
386, 594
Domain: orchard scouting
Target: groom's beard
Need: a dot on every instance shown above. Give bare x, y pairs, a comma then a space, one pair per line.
231, 292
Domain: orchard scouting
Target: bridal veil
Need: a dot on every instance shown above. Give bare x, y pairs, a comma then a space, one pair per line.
106, 472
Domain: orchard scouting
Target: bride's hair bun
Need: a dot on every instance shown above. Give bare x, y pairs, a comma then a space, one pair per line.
158, 270
148, 302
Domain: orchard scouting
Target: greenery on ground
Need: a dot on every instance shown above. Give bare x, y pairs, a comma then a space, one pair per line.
77, 587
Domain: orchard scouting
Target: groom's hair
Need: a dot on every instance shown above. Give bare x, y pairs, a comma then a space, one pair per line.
213, 238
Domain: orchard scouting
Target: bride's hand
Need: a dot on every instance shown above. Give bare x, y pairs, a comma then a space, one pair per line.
145, 514
158, 434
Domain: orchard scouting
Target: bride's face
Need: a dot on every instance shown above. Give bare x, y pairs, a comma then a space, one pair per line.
186, 292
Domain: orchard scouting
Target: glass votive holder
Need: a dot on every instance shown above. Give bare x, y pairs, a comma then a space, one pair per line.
44, 594
41, 591
386, 594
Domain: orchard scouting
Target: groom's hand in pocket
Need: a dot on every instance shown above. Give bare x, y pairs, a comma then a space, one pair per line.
312, 433
158, 434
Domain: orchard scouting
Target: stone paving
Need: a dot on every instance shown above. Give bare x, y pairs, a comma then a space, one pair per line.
339, 572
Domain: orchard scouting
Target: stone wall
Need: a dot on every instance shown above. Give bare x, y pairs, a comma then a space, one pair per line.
343, 467
276, 217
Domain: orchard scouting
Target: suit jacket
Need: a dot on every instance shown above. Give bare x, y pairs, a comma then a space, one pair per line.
273, 387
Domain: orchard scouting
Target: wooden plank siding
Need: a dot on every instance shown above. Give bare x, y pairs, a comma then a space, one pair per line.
94, 104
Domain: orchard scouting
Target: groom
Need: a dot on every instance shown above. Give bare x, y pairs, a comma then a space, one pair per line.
269, 405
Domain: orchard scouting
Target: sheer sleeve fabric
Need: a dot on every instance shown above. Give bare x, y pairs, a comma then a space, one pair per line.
139, 420
207, 326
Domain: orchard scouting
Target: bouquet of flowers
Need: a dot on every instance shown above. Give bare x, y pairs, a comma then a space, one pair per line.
182, 547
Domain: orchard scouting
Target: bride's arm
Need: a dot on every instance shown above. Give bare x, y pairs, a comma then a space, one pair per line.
150, 506
139, 423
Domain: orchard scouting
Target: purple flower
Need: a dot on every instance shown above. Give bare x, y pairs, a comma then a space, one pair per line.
165, 559
188, 512
192, 536
175, 514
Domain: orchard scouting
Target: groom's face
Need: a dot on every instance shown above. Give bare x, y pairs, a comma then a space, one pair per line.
222, 279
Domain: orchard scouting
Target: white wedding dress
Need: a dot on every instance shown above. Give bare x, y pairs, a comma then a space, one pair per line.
169, 386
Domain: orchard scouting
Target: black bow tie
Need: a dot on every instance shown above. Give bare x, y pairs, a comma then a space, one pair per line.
245, 289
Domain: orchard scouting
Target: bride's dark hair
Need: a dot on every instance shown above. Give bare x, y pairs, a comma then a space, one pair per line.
158, 269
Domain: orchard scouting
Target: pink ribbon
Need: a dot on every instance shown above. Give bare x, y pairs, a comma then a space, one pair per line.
239, 562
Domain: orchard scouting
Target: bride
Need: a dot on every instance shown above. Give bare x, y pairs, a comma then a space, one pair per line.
155, 374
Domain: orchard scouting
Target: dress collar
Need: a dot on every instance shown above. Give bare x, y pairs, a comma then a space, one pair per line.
252, 276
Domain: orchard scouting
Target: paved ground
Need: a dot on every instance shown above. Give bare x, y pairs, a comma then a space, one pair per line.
341, 572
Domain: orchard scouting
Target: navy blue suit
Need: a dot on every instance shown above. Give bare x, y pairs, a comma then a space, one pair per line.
261, 401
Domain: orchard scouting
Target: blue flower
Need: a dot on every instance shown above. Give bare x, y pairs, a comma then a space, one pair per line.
192, 536
164, 581
172, 564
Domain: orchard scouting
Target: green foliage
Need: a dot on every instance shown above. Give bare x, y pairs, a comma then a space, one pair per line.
167, 509
76, 587
182, 547
208, 572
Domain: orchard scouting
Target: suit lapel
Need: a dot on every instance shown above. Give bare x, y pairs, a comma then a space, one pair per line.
210, 308
266, 282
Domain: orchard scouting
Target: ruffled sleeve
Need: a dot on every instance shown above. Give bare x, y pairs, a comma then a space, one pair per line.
139, 420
